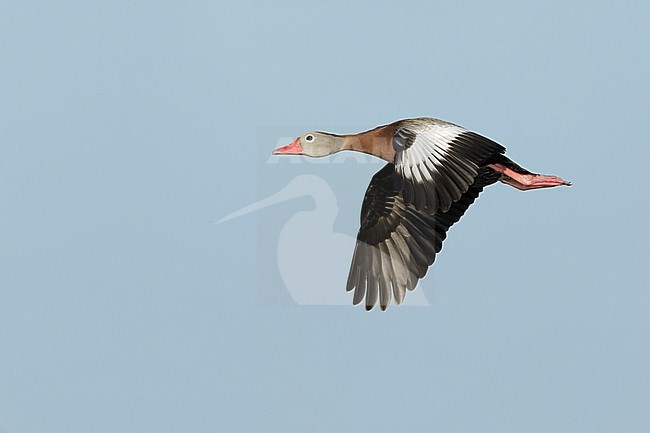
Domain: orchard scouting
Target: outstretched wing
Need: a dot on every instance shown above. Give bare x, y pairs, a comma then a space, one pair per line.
436, 162
397, 243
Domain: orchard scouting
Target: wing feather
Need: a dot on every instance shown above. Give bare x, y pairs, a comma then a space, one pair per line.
397, 242
436, 162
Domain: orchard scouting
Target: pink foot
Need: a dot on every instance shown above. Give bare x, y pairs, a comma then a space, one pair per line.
528, 181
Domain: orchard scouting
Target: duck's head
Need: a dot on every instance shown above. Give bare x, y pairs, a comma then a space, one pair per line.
314, 144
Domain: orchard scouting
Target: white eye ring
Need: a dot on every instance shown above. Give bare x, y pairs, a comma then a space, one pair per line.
309, 138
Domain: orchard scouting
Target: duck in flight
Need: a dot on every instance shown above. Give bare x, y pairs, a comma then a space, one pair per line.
435, 171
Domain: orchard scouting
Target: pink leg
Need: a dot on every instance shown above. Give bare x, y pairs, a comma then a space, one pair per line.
527, 181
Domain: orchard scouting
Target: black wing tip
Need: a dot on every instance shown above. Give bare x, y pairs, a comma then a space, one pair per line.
382, 307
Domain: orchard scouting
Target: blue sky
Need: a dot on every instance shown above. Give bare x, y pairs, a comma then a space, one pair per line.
128, 128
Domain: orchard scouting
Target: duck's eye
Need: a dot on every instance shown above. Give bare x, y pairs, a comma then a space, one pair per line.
309, 138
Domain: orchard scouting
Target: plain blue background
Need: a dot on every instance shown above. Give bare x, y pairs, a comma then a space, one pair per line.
128, 128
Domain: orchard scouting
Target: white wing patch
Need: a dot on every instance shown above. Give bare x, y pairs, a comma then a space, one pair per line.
436, 162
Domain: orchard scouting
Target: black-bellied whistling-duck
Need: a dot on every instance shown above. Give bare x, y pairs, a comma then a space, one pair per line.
434, 173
